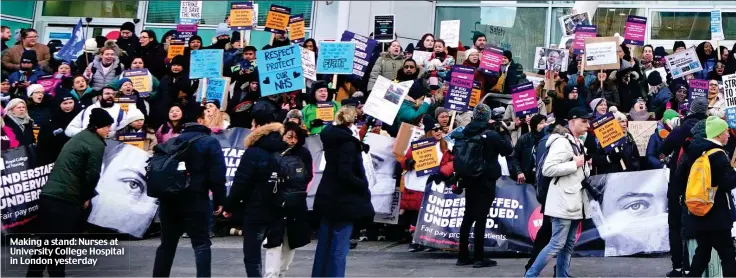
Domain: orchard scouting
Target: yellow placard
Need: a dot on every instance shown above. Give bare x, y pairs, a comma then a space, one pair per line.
124, 107
609, 132
296, 31
141, 83
241, 17
175, 49
277, 21
139, 144
474, 97
426, 156
326, 112
36, 130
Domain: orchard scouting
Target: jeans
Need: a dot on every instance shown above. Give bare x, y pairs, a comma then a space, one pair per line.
278, 259
722, 242
185, 214
330, 259
561, 245
479, 195
56, 219
253, 236
541, 240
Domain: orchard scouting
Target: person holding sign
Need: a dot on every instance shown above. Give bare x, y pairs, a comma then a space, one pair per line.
51, 137
440, 62
414, 105
153, 83
605, 88
215, 119
320, 109
126, 90
135, 123
716, 100
388, 64
279, 40
624, 157
708, 58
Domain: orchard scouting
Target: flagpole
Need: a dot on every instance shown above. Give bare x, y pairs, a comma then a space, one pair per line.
86, 31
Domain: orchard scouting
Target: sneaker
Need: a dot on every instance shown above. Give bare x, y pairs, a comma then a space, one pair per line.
674, 273
430, 249
484, 263
463, 262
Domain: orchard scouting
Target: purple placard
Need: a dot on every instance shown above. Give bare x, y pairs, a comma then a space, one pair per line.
636, 27
582, 32
461, 87
490, 60
185, 31
524, 99
697, 88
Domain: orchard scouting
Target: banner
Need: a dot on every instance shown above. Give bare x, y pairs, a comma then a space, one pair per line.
608, 130
185, 31
74, 45
296, 28
550, 59
426, 154
141, 80
450, 32
642, 131
241, 16
490, 60
524, 99
601, 53
581, 33
335, 57
729, 89
383, 27
569, 23
277, 19
636, 28
190, 12
716, 25
206, 63
385, 100
309, 65
461, 87
280, 70
22, 181
683, 63
49, 83
697, 89
364, 48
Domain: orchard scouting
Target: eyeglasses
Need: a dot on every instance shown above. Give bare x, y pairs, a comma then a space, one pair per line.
409, 67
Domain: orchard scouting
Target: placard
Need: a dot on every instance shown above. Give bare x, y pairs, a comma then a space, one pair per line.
601, 53
215, 88
277, 19
190, 12
296, 28
490, 60
641, 131
364, 47
697, 89
581, 33
524, 99
683, 63
280, 70
309, 66
636, 28
49, 83
730, 116
552, 59
608, 130
426, 155
206, 63
185, 31
407, 133
141, 80
136, 139
569, 23
326, 111
384, 101
126, 102
176, 47
335, 57
450, 32
383, 27
475, 96
716, 25
729, 89
461, 87
241, 16
421, 57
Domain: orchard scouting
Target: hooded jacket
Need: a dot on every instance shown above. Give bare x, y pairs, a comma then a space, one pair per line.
154, 57
386, 66
707, 61
205, 163
99, 78
30, 76
494, 144
566, 199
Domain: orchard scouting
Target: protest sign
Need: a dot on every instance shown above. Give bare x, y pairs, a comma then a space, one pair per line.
731, 116
383, 27
135, 139
716, 25
176, 47
215, 88
277, 19
19, 201
384, 101
697, 89
185, 31
601, 53
683, 63
336, 57
569, 23
490, 60
461, 87
309, 66
551, 59
241, 16
393, 217
127, 103
190, 12
641, 131
296, 28
364, 47
524, 99
421, 56
280, 70
476, 95
450, 32
407, 133
206, 63
49, 83
141, 80
636, 28
426, 154
729, 89
581, 33
536, 79
608, 130
326, 111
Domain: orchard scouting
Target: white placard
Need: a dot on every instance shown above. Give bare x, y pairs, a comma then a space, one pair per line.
600, 53
450, 32
309, 65
421, 56
393, 217
729, 90
716, 25
586, 7
385, 100
190, 12
642, 131
683, 63
570, 22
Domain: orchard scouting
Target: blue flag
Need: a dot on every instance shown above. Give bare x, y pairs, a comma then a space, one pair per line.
73, 45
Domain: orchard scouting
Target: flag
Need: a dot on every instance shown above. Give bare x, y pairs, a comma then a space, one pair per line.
73, 45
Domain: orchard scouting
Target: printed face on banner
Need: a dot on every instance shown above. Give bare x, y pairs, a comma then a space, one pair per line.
277, 19
570, 22
550, 59
336, 57
280, 70
683, 63
461, 87
524, 99
636, 27
309, 64
206, 63
241, 16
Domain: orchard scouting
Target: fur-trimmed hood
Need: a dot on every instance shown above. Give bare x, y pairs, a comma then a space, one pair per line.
267, 137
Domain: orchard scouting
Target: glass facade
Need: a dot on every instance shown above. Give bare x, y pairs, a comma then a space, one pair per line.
80, 8
216, 11
689, 25
22, 9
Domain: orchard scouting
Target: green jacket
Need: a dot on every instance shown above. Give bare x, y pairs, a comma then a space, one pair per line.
77, 170
310, 113
408, 112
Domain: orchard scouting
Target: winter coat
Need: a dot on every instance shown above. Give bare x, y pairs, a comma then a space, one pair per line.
654, 149
49, 145
494, 144
81, 121
25, 135
205, 163
295, 219
510, 115
168, 94
31, 77
77, 170
707, 61
408, 113
41, 112
523, 161
270, 106
512, 76
99, 79
446, 66
162, 137
658, 104
558, 99
8, 139
386, 66
310, 114
412, 200
609, 92
131, 46
11, 57
566, 198
343, 194
154, 57
606, 162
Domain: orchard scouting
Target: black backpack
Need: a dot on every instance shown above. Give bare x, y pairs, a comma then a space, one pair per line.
166, 173
543, 182
290, 179
469, 161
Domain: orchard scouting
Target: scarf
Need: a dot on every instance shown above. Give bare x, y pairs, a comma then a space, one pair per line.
20, 121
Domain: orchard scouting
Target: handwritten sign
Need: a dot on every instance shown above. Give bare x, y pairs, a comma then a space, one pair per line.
296, 28
241, 16
490, 60
731, 116
136, 139
185, 31
641, 131
450, 32
608, 130
280, 70
215, 88
277, 19
426, 155
206, 63
729, 89
716, 25
141, 81
383, 27
309, 66
336, 57
393, 217
384, 101
422, 56
683, 63
190, 12
601, 53
636, 27
524, 99
476, 95
364, 47
581, 33
326, 111
697, 89
176, 47
127, 102
461, 87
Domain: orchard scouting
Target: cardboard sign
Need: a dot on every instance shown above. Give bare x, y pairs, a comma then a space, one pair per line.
601, 53
280, 70
141, 81
136, 139
407, 133
450, 32
190, 12
336, 57
552, 59
490, 60
524, 99
383, 27
569, 23
176, 47
422, 56
325, 111
364, 47
215, 88
127, 102
206, 63
581, 33
636, 29
296, 28
716, 25
641, 131
277, 19
608, 130
425, 153
461, 86
729, 89
309, 66
384, 101
536, 79
185, 31
241, 16
683, 63
476, 95
697, 89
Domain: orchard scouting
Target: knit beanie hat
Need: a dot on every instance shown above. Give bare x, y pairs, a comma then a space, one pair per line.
235, 37
195, 38
699, 106
677, 45
294, 114
122, 81
90, 46
654, 78
698, 130
99, 118
33, 88
179, 60
659, 52
508, 55
595, 102
429, 123
470, 52
132, 116
409, 48
128, 26
481, 113
714, 126
29, 56
439, 111
216, 102
222, 30
616, 114
668, 115
476, 36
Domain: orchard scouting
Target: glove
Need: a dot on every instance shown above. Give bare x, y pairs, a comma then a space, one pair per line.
317, 123
436, 178
546, 100
614, 156
410, 163
58, 131
366, 148
551, 93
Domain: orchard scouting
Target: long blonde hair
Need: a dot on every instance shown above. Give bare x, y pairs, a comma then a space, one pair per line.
215, 121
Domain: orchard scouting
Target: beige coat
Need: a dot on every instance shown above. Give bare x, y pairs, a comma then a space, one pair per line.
11, 58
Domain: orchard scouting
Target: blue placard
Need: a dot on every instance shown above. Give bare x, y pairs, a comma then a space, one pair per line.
336, 57
216, 89
206, 64
280, 70
731, 117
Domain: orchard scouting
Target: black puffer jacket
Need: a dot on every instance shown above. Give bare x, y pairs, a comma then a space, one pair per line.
495, 145
49, 145
609, 162
523, 162
154, 57
40, 112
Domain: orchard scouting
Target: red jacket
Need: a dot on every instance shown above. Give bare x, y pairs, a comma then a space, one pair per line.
412, 200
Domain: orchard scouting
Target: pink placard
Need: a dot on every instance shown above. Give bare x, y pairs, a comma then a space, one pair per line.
490, 60
581, 33
636, 27
524, 99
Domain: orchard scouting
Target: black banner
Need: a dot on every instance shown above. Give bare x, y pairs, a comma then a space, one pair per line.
21, 187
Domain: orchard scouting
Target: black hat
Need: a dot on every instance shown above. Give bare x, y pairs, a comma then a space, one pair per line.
350, 101
178, 60
508, 55
195, 38
128, 26
235, 37
659, 52
579, 113
250, 48
678, 44
54, 46
476, 36
216, 102
99, 118
316, 86
654, 78
29, 56
409, 48
430, 123
100, 40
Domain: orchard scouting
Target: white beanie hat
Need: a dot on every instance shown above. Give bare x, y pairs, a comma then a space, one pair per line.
33, 88
132, 116
90, 46
222, 30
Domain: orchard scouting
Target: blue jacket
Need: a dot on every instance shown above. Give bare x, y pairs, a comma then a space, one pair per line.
573, 79
205, 162
655, 144
31, 77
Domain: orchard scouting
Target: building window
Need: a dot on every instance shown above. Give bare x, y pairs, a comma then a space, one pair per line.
215, 12
688, 25
113, 9
609, 21
23, 9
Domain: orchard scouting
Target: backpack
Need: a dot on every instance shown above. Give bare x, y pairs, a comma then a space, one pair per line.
699, 194
543, 182
166, 172
469, 161
290, 178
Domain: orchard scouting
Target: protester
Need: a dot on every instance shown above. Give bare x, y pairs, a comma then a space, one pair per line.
173, 127
708, 59
128, 42
572, 100
440, 62
639, 111
17, 119
508, 76
629, 87
7, 139
479, 41
173, 87
134, 122
716, 100
599, 106
442, 116
664, 128
342, 197
215, 119
279, 40
388, 64
426, 43
319, 94
29, 42
517, 125
414, 105
51, 137
81, 92
89, 49
125, 89
409, 71
473, 61
153, 53
623, 157
138, 64
241, 103
4, 90
605, 88
731, 61
718, 72
522, 163
67, 194
106, 101
104, 70
5, 36
28, 74
679, 102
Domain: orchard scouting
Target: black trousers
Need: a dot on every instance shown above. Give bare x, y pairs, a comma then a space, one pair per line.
541, 240
722, 242
677, 244
185, 214
479, 195
56, 219
253, 236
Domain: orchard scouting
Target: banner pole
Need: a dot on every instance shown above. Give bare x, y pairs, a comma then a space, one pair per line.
242, 38
452, 120
334, 81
